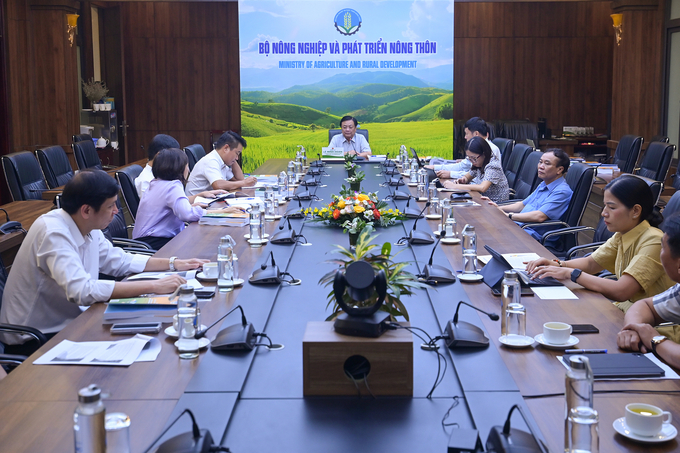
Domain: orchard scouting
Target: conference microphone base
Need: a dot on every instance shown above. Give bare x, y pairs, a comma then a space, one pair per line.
438, 274
465, 335
516, 441
399, 195
235, 338
362, 326
283, 237
420, 237
294, 212
187, 443
413, 213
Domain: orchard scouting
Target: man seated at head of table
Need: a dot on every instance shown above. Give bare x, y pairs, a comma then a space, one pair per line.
56, 271
219, 169
638, 333
632, 253
349, 140
485, 176
474, 127
551, 198
159, 142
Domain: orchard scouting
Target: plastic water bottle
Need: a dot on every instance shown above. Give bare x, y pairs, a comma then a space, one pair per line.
225, 262
469, 250
255, 222
578, 384
291, 174
187, 314
583, 431
89, 421
283, 183
511, 294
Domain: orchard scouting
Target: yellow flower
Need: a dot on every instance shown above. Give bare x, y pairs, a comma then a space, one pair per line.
341, 204
359, 209
362, 197
316, 210
391, 211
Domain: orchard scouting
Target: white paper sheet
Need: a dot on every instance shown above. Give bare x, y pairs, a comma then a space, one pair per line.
108, 353
553, 292
158, 275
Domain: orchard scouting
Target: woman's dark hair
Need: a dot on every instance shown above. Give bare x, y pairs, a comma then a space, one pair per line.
169, 165
90, 187
230, 138
631, 190
479, 146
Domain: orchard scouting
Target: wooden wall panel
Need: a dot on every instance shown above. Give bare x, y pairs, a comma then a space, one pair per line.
182, 71
518, 60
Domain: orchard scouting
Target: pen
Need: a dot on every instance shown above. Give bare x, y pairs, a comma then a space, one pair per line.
585, 351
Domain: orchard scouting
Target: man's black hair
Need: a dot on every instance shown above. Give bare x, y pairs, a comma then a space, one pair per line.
671, 226
348, 118
230, 138
90, 187
562, 158
159, 142
476, 124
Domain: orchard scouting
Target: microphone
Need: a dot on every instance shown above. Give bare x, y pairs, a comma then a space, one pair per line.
197, 440
292, 211
317, 163
511, 439
388, 162
201, 333
434, 273
284, 236
397, 194
465, 335
266, 274
419, 237
409, 212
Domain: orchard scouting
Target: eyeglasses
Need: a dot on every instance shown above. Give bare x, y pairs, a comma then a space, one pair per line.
473, 159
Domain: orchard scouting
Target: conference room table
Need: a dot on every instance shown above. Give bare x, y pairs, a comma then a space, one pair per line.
253, 401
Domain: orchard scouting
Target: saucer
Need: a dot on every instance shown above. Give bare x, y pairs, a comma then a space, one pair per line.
237, 282
202, 276
573, 341
668, 432
450, 241
260, 242
171, 332
433, 216
412, 184
516, 341
247, 235
470, 277
202, 343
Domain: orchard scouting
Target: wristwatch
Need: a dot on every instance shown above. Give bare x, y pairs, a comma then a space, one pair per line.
172, 263
657, 340
510, 216
575, 274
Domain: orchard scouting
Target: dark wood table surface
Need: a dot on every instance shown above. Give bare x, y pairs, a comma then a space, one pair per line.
24, 212
45, 396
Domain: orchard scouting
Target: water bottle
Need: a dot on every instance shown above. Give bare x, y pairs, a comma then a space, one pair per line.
283, 183
291, 174
433, 198
276, 190
578, 384
583, 431
422, 176
413, 175
511, 292
89, 421
225, 260
420, 192
469, 250
303, 155
187, 315
255, 223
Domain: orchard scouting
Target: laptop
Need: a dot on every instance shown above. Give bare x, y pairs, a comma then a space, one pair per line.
494, 271
415, 155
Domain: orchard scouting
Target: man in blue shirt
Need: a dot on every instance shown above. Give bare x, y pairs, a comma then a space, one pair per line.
551, 198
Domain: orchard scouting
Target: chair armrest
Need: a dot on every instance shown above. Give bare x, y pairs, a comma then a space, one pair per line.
108, 167
580, 248
24, 330
12, 359
547, 223
133, 243
139, 251
565, 231
509, 202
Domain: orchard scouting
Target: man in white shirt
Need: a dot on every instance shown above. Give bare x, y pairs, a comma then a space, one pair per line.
159, 142
56, 271
474, 127
220, 169
349, 140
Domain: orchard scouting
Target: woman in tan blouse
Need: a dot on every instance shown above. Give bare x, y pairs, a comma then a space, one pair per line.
632, 254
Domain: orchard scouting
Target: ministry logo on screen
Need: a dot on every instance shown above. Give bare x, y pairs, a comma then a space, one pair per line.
347, 21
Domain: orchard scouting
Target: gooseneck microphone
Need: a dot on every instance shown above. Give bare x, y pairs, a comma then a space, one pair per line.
420, 237
409, 212
196, 440
397, 194
507, 439
434, 273
465, 335
201, 333
292, 211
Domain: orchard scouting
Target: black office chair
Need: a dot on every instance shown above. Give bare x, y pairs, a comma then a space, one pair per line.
672, 207
527, 180
333, 132
659, 138
519, 154
194, 154
600, 235
23, 175
656, 161
126, 179
627, 153
55, 166
505, 145
82, 138
117, 233
86, 155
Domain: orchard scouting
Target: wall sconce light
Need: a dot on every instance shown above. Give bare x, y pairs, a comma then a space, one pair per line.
71, 27
617, 19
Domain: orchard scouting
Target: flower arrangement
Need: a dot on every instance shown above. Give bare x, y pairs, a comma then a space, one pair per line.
399, 282
350, 166
94, 90
355, 180
354, 211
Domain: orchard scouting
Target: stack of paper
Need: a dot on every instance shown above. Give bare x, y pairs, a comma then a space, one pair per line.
224, 219
121, 312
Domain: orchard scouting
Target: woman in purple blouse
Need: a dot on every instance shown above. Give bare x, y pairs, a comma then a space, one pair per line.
165, 207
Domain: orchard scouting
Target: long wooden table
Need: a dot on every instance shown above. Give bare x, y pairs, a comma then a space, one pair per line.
238, 406
24, 212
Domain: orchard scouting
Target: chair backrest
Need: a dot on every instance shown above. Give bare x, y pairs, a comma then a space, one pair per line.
55, 166
333, 132
86, 155
527, 180
194, 154
656, 161
23, 175
519, 153
580, 178
505, 145
656, 186
627, 153
126, 179
672, 207
660, 138
117, 228
81, 138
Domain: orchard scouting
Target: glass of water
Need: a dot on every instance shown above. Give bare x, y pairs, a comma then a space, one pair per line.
583, 432
516, 319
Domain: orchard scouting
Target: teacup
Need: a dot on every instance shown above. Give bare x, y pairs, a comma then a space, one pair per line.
556, 332
646, 420
210, 270
114, 145
106, 106
95, 107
